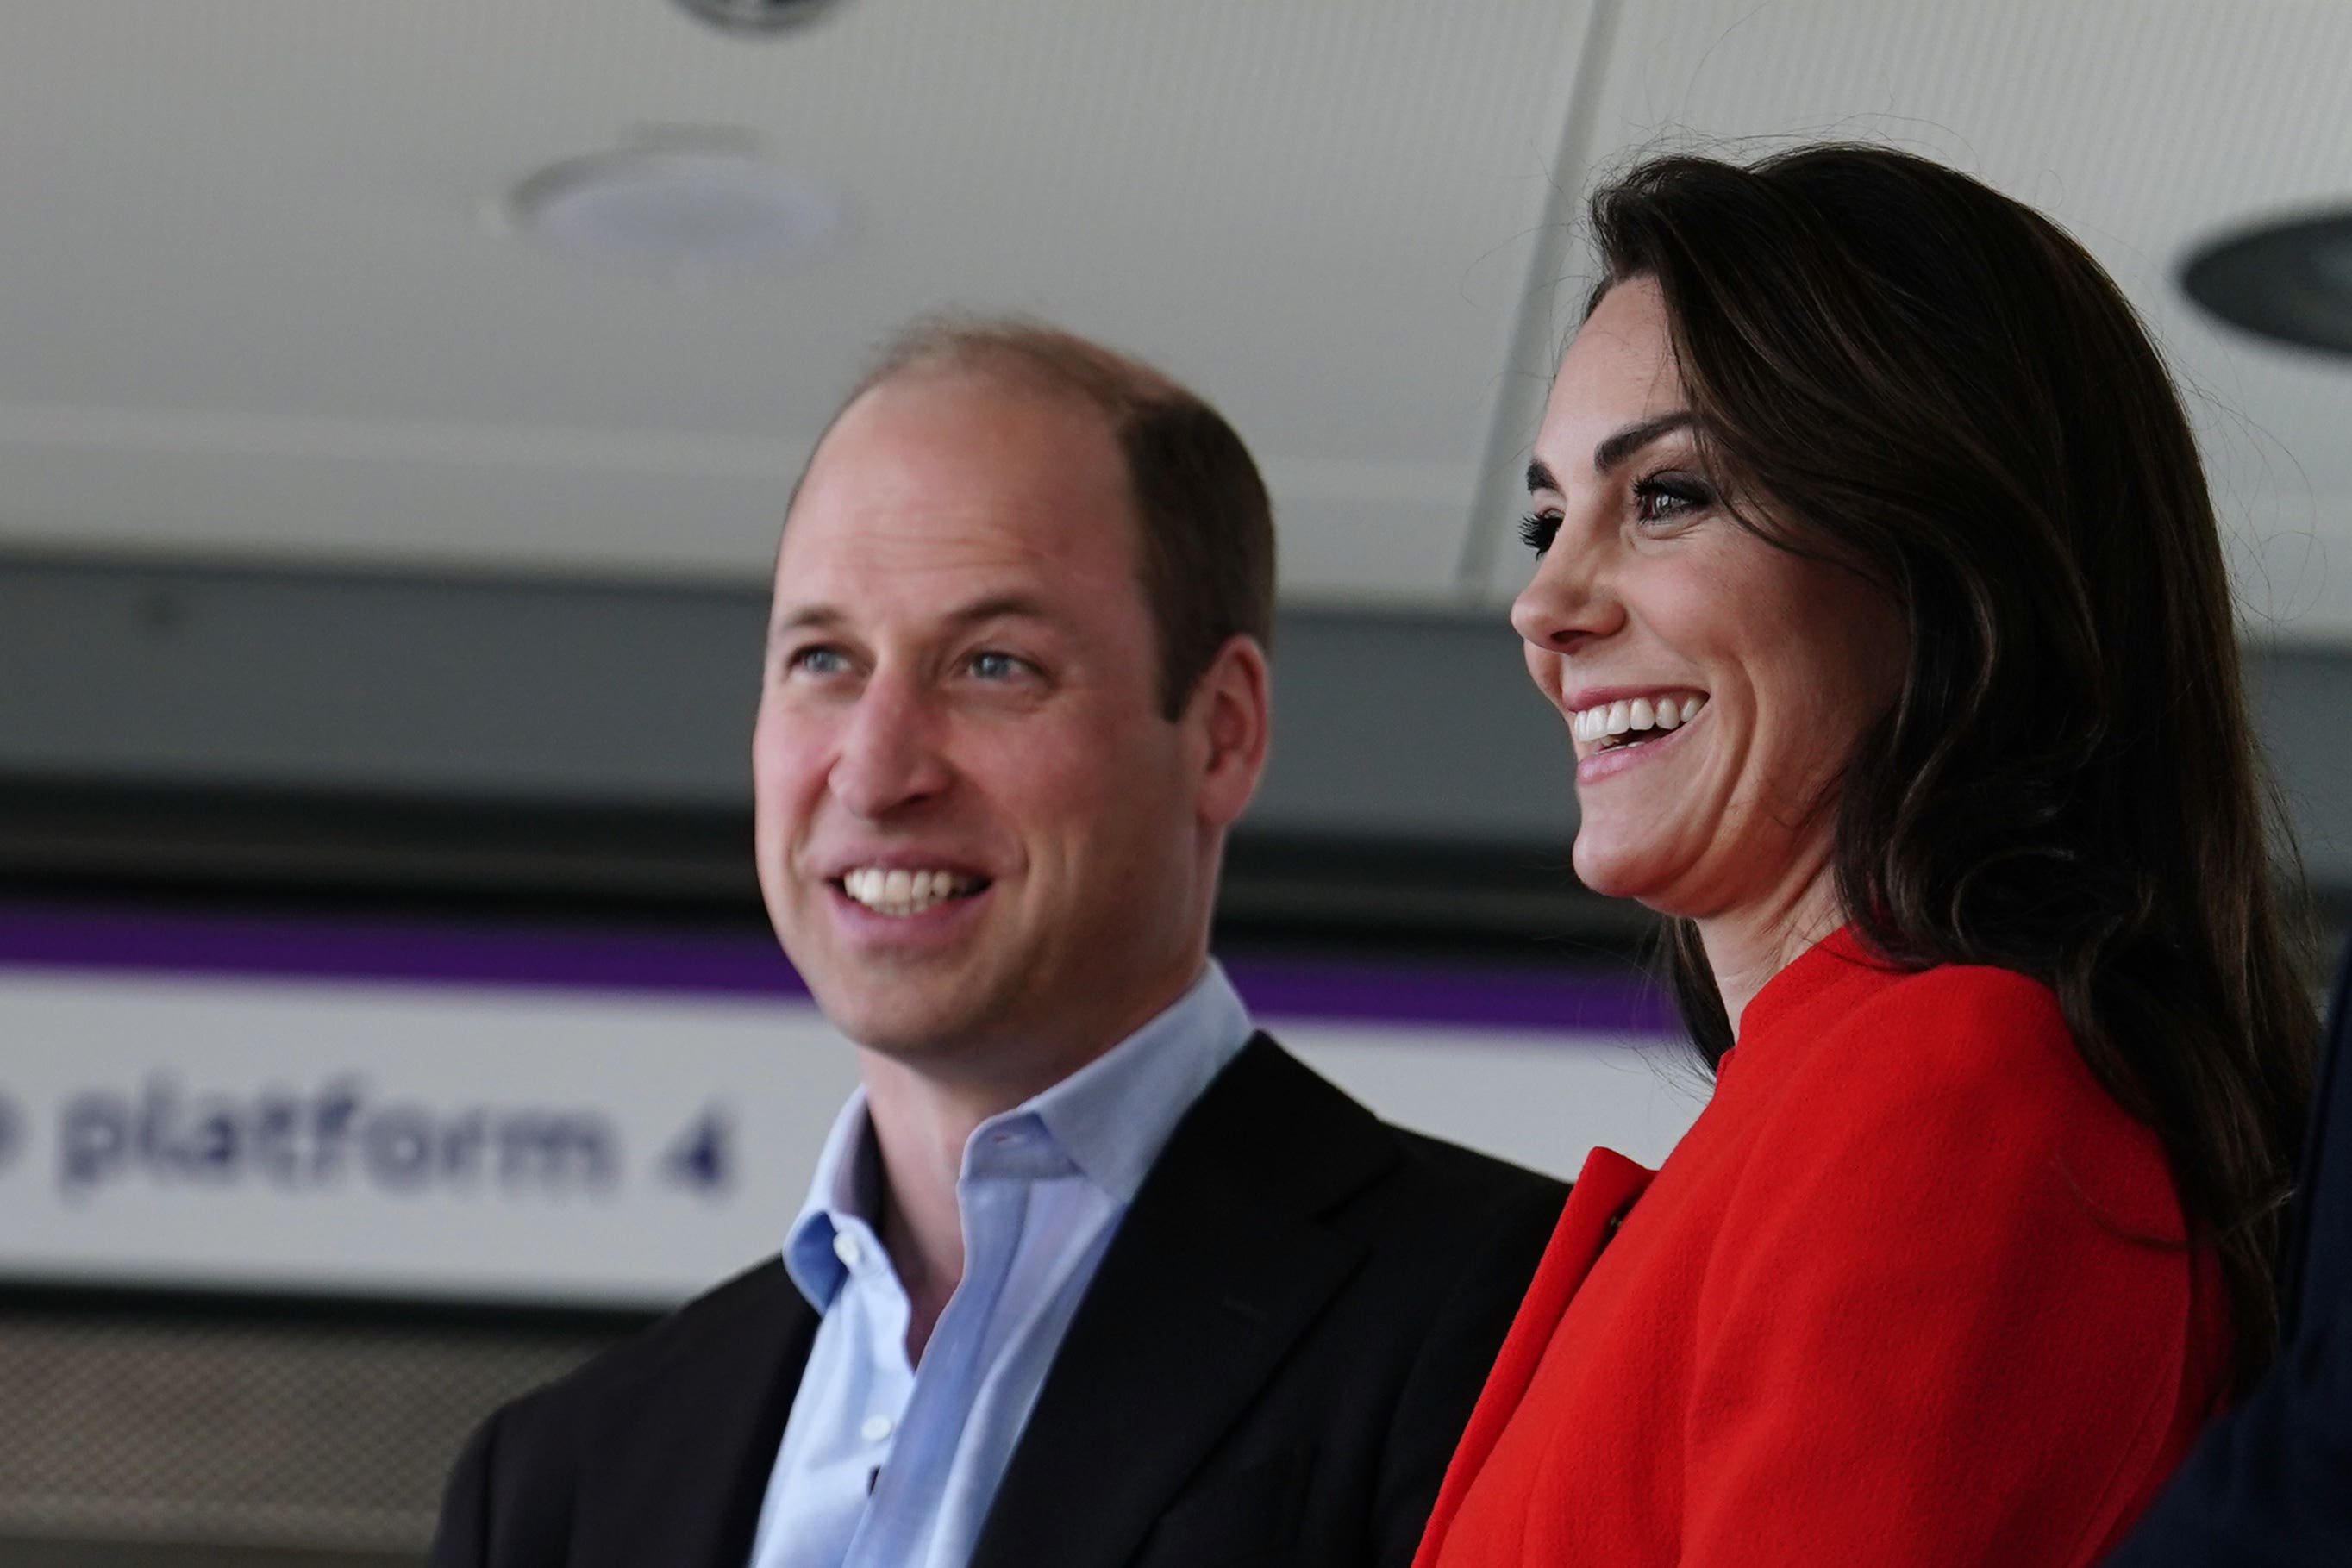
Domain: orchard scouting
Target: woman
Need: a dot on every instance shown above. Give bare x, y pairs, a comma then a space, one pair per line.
1878, 583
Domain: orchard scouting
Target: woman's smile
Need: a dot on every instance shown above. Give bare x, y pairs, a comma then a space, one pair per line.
1621, 736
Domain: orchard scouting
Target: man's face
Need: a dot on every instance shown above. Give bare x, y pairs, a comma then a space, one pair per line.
978, 839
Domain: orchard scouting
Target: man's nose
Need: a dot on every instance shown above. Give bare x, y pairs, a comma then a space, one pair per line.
890, 757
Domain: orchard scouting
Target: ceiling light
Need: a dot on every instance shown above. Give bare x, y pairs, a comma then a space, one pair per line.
755, 15
681, 214
2291, 281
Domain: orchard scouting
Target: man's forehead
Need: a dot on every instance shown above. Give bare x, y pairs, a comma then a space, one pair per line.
932, 540
926, 601
945, 478
944, 415
938, 434
933, 561
961, 605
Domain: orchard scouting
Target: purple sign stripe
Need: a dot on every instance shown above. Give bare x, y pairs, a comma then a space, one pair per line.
1485, 998
346, 949
154, 942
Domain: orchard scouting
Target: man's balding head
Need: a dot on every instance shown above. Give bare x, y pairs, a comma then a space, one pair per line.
1204, 525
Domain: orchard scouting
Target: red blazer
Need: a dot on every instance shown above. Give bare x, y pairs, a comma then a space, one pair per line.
1910, 1292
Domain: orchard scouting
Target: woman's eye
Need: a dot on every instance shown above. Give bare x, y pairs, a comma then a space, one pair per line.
1538, 530
1663, 498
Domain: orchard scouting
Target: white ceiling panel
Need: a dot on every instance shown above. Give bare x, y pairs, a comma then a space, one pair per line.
2144, 126
249, 303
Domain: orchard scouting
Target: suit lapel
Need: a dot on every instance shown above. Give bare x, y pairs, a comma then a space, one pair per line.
1212, 1276
680, 1467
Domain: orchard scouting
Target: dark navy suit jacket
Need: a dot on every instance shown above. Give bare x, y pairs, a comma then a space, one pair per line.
1268, 1370
2269, 1482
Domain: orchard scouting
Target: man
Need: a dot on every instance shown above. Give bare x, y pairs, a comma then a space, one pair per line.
1090, 1273
2269, 1484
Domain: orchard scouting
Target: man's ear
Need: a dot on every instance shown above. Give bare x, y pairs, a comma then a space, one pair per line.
1232, 712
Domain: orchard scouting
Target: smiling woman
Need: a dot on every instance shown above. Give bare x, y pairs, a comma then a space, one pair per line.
1878, 585
1715, 684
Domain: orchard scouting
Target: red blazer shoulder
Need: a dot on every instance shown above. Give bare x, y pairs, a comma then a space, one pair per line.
1963, 1079
1910, 1292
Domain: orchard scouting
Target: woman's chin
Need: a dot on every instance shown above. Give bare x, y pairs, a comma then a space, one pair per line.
1608, 871
1658, 876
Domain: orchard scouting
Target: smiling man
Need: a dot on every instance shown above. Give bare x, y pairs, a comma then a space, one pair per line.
1091, 1272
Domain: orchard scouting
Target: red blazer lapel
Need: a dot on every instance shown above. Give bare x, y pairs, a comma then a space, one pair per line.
1605, 1189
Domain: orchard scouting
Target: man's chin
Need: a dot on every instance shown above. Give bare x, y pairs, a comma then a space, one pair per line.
901, 1021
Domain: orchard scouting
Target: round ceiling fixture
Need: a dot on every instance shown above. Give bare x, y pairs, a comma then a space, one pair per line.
682, 215
2291, 281
755, 15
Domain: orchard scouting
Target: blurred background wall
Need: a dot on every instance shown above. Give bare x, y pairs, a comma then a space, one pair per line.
397, 404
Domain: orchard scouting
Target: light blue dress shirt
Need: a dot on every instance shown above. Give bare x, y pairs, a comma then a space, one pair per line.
889, 1465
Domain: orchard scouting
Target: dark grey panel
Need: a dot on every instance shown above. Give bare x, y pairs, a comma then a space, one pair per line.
384, 686
1410, 729
1416, 727
642, 695
2303, 707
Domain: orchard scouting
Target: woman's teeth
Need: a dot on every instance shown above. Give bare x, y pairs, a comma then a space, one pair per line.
905, 892
1624, 723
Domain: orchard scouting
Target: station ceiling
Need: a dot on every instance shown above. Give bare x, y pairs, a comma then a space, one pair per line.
261, 298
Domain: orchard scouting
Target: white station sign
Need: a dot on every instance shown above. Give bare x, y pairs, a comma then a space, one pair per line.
556, 1144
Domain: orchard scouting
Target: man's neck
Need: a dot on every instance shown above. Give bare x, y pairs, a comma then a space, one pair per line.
923, 1118
921, 1125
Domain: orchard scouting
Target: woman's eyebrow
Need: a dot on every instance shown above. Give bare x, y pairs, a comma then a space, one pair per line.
1616, 448
1634, 437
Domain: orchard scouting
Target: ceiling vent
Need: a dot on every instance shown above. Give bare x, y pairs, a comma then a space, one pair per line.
2290, 281
756, 15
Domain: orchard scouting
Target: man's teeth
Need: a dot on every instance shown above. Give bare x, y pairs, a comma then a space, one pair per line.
1611, 721
904, 892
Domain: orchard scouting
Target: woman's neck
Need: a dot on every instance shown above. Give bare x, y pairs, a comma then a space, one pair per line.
1748, 945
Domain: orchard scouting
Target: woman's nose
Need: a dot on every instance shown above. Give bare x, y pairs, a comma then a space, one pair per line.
1567, 600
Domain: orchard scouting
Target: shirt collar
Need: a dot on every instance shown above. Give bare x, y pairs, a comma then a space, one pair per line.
1113, 1116
1110, 1119
846, 1191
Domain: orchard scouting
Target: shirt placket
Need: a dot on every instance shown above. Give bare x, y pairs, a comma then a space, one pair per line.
904, 1511
891, 1380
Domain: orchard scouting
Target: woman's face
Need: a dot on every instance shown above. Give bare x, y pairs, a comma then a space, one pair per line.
1715, 685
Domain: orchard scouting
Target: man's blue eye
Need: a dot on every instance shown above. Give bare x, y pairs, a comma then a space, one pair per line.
996, 666
818, 661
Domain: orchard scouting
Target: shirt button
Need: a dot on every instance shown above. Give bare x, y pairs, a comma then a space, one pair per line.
846, 1248
876, 1427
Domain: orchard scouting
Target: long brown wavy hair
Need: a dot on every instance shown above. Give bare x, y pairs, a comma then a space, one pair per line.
1934, 385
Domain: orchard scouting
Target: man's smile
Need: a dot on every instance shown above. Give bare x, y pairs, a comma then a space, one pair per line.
900, 892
